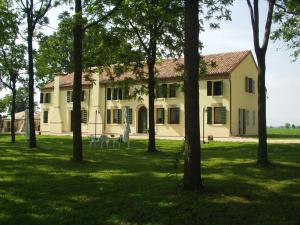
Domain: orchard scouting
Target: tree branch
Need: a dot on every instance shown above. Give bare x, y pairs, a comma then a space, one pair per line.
146, 49
41, 13
255, 23
268, 25
286, 10
104, 17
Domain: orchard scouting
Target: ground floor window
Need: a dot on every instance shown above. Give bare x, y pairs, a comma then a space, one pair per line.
174, 114
160, 115
117, 116
45, 116
216, 115
108, 116
84, 116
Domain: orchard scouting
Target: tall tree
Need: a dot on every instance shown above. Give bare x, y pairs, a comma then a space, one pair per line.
80, 25
192, 161
154, 27
260, 51
77, 86
11, 63
34, 12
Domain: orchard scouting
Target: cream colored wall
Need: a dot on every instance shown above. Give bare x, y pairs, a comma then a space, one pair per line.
160, 129
216, 130
242, 99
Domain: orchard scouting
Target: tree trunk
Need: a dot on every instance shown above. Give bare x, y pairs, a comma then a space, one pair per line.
151, 85
13, 112
192, 160
77, 86
262, 154
32, 138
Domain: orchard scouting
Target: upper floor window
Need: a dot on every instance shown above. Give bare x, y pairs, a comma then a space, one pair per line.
214, 88
166, 91
70, 96
45, 97
249, 85
117, 93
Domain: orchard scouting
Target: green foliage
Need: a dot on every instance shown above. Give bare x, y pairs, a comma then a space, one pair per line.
21, 101
129, 186
102, 46
287, 17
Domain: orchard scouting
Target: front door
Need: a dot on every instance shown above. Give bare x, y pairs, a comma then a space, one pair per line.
242, 121
71, 120
142, 120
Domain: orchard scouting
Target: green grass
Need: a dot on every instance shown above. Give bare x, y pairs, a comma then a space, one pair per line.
283, 133
129, 186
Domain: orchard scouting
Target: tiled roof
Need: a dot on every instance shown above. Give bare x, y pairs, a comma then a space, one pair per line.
217, 64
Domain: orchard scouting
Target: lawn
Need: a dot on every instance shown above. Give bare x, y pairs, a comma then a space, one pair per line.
129, 186
284, 133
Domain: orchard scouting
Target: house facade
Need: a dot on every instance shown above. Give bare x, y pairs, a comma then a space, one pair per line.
228, 101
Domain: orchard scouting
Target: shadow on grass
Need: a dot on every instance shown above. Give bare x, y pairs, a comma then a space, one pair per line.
130, 186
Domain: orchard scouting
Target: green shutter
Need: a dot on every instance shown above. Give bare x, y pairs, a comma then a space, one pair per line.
223, 115
209, 88
209, 115
221, 87
108, 116
246, 84
41, 98
119, 116
82, 96
68, 96
108, 94
130, 116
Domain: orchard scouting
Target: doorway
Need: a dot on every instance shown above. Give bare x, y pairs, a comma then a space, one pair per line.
142, 120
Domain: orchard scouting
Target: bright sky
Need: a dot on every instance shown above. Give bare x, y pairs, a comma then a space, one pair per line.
282, 77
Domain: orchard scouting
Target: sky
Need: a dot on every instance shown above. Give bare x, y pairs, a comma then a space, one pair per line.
282, 75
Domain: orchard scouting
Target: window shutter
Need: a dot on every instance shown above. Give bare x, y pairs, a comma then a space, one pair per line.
119, 116
108, 116
209, 115
253, 86
82, 96
209, 88
221, 87
223, 115
108, 94
120, 95
68, 96
83, 116
246, 84
41, 97
49, 94
130, 116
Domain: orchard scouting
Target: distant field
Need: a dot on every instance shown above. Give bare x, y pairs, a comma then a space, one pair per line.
284, 133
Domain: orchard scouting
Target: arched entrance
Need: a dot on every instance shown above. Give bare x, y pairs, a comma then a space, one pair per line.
142, 120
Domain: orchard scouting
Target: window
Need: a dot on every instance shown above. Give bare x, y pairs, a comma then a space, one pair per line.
108, 116
249, 85
172, 90
45, 116
216, 115
45, 97
162, 91
174, 114
160, 115
69, 96
115, 94
117, 116
108, 94
219, 115
83, 116
120, 95
214, 88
